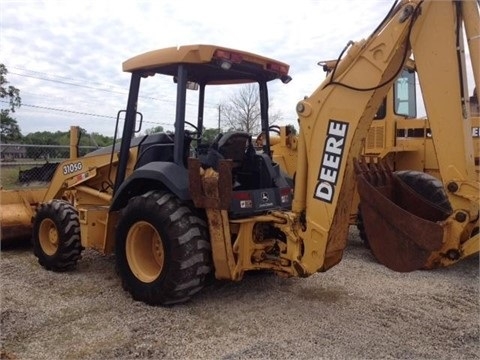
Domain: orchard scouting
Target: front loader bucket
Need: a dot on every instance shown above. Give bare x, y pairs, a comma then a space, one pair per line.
17, 208
15, 223
401, 226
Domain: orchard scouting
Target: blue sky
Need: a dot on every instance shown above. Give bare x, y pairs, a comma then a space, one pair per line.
66, 56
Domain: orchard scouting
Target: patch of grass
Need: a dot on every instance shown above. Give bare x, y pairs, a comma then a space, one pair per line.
9, 175
10, 170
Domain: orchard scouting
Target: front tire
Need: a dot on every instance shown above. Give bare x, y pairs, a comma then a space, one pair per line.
163, 255
56, 236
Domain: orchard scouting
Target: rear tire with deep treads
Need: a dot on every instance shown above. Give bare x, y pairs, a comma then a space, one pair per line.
361, 228
56, 236
428, 186
163, 254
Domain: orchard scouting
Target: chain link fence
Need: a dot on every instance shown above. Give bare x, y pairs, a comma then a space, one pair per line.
32, 165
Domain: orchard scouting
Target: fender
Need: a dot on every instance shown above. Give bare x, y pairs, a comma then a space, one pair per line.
167, 174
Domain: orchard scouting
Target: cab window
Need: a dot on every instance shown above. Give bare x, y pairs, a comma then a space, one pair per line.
404, 95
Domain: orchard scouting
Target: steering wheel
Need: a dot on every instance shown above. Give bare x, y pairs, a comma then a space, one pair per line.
274, 128
194, 135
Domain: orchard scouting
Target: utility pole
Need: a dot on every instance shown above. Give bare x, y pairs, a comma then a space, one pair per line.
219, 116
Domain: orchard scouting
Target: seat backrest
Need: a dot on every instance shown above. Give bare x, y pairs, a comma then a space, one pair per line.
232, 145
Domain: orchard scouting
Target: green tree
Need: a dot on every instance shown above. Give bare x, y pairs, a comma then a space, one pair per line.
44, 138
153, 130
9, 129
101, 140
209, 134
61, 140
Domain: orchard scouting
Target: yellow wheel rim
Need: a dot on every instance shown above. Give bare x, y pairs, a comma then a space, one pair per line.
48, 237
145, 252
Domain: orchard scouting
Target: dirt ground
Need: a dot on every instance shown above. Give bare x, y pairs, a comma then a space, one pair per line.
357, 310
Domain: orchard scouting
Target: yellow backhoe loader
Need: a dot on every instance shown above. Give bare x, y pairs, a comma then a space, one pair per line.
172, 218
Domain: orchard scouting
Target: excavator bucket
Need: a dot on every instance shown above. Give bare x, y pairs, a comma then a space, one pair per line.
402, 227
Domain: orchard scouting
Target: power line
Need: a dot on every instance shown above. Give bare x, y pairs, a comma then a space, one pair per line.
62, 77
64, 110
90, 87
83, 86
82, 113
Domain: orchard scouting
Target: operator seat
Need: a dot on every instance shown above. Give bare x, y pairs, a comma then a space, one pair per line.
232, 145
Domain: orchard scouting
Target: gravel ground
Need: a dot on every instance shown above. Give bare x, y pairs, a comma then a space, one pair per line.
356, 310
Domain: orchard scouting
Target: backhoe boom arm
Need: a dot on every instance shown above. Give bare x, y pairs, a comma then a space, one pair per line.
334, 120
